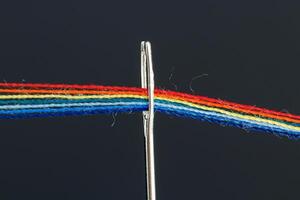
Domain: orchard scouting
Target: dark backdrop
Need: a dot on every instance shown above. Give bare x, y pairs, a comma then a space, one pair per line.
249, 49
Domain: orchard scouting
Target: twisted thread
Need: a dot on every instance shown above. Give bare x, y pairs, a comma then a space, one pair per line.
24, 100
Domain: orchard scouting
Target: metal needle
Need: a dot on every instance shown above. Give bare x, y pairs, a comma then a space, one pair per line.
147, 81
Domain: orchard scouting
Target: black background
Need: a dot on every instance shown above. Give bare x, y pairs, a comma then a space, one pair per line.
249, 49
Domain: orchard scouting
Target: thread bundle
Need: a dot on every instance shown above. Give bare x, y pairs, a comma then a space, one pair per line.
24, 100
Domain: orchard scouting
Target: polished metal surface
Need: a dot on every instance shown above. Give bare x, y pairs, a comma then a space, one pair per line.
147, 81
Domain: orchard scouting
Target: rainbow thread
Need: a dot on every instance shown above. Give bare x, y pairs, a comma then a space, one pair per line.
24, 100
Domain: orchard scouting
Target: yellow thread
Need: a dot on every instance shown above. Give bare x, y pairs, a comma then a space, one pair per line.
69, 96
